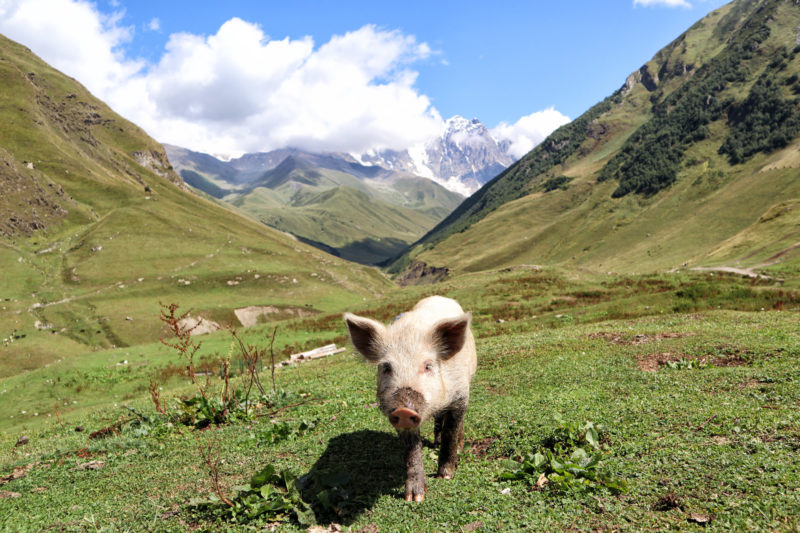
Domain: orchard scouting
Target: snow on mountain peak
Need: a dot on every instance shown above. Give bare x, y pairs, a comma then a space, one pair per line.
458, 124
462, 158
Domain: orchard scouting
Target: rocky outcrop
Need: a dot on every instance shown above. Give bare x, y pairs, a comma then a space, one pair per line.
420, 273
29, 202
157, 163
648, 79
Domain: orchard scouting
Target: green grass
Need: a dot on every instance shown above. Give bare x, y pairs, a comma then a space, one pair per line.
693, 375
344, 219
717, 439
115, 236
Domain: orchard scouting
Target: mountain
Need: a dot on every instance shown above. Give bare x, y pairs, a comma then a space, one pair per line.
96, 229
692, 162
363, 213
462, 158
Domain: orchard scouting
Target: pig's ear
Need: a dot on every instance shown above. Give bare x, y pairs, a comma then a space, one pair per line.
450, 335
366, 335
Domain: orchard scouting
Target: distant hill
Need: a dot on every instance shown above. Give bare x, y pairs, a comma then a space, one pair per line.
96, 229
364, 213
693, 161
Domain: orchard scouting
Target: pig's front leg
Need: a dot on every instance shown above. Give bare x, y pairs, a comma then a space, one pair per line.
452, 441
415, 471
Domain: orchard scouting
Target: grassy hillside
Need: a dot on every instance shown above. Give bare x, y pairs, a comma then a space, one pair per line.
360, 213
354, 225
602, 401
97, 229
692, 162
688, 378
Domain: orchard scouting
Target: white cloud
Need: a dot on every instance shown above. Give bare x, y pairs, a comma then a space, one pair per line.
530, 130
239, 90
154, 24
73, 37
666, 3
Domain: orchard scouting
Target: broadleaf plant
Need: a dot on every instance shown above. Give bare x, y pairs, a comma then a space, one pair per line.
563, 463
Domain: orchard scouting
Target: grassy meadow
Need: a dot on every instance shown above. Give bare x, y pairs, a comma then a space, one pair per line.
602, 401
689, 379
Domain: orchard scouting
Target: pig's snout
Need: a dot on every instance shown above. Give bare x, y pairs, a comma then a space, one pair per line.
404, 407
405, 418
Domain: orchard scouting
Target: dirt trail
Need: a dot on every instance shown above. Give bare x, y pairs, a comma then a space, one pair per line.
733, 270
751, 271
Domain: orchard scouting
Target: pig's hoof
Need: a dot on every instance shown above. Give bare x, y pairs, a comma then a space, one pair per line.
446, 471
411, 497
415, 492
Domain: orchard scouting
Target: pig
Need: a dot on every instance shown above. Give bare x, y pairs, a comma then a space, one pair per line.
426, 360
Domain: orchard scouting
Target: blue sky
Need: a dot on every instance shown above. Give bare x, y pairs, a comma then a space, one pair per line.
226, 77
495, 60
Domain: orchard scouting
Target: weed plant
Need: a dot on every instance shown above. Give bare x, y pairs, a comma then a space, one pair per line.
567, 460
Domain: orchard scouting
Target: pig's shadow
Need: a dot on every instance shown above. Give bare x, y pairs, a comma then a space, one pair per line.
354, 471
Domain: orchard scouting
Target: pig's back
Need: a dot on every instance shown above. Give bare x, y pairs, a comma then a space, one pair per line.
434, 308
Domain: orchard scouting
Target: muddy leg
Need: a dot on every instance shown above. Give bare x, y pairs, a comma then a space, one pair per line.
452, 442
415, 471
437, 429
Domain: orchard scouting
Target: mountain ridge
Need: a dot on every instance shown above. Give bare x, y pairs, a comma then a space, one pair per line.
363, 213
462, 158
690, 129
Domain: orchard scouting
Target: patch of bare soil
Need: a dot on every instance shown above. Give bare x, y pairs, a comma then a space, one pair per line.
654, 361
18, 473
667, 502
638, 338
735, 360
249, 316
748, 272
480, 447
199, 325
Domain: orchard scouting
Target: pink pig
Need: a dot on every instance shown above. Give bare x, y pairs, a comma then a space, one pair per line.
426, 360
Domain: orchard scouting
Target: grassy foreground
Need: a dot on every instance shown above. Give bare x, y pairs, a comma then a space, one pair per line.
696, 386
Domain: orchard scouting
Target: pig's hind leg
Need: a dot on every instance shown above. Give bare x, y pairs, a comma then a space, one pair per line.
438, 420
452, 438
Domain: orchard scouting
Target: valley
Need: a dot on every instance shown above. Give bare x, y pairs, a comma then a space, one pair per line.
633, 283
361, 213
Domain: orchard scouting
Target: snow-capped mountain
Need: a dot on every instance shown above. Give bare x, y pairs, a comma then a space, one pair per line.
462, 158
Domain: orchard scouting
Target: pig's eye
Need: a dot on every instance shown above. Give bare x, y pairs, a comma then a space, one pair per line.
429, 367
386, 369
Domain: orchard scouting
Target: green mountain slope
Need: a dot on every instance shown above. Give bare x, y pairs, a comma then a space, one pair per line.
693, 161
361, 213
353, 224
96, 229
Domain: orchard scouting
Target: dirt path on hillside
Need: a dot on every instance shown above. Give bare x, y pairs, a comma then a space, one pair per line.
751, 271
733, 270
